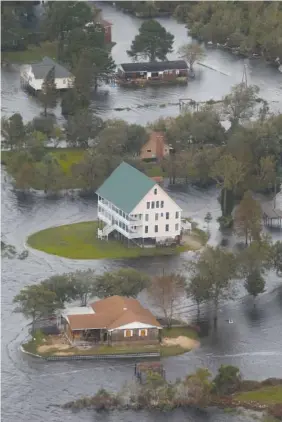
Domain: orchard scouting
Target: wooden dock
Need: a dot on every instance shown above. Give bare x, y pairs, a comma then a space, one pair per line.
272, 217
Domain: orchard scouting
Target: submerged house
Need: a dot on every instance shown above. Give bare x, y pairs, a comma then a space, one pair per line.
166, 71
33, 75
133, 207
114, 320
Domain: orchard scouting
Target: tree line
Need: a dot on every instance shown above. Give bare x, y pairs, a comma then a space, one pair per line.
209, 279
249, 28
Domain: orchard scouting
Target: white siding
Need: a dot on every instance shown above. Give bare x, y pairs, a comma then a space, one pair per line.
161, 220
36, 84
133, 226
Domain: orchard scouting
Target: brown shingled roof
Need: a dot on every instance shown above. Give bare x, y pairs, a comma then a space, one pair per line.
111, 313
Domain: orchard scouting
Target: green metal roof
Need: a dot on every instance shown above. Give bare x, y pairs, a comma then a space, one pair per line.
125, 187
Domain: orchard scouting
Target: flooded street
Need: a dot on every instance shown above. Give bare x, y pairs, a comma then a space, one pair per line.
31, 389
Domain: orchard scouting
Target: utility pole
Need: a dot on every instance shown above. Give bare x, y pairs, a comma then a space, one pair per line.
245, 76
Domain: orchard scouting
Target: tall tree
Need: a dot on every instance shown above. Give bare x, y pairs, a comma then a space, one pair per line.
82, 127
248, 217
166, 292
124, 282
63, 286
191, 53
48, 94
36, 302
62, 17
239, 104
50, 174
197, 290
83, 282
153, 42
13, 131
277, 257
253, 262
228, 173
216, 268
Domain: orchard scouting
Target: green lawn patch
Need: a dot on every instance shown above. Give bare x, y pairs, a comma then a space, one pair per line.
79, 241
167, 351
266, 395
32, 53
67, 157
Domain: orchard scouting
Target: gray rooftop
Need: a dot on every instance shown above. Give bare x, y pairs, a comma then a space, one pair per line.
41, 69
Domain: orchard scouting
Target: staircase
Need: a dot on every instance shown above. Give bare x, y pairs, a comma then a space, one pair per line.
102, 233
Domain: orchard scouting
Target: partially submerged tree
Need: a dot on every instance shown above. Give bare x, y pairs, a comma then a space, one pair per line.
124, 282
228, 173
153, 42
48, 94
166, 292
197, 291
191, 53
255, 283
13, 131
277, 257
82, 127
217, 268
248, 217
36, 302
239, 104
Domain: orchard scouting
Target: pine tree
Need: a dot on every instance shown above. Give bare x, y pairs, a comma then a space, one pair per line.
48, 95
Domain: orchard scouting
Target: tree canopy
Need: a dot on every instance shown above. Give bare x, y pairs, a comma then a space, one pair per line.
124, 282
153, 42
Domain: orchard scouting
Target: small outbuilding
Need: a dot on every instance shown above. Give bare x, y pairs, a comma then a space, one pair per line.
153, 71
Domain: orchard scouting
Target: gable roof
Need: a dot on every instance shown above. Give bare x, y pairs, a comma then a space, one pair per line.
41, 69
154, 66
125, 187
112, 313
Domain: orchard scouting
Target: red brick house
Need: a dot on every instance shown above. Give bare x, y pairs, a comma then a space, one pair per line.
114, 320
156, 147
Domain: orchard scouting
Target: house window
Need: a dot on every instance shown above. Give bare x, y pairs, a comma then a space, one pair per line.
155, 191
64, 81
156, 229
149, 150
146, 217
162, 204
128, 333
156, 216
153, 204
176, 227
177, 214
148, 205
166, 227
167, 215
146, 229
157, 204
143, 332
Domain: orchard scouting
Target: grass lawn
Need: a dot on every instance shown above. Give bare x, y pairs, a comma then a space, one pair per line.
79, 241
266, 395
32, 54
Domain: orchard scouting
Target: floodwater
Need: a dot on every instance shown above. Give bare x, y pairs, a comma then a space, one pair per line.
207, 84
31, 389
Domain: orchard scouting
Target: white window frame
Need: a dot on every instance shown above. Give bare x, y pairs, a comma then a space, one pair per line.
131, 333
143, 329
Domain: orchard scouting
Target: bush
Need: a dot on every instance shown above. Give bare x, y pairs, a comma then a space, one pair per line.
227, 380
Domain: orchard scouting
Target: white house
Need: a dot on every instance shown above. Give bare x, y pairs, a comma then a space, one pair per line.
33, 75
137, 208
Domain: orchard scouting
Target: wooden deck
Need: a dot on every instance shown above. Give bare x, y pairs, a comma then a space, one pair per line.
271, 216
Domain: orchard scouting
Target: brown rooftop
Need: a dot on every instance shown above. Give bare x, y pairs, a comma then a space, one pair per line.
111, 313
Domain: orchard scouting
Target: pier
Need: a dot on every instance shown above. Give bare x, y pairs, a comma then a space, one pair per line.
272, 217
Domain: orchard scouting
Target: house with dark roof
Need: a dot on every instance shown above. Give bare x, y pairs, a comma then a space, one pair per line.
113, 320
133, 207
33, 75
166, 71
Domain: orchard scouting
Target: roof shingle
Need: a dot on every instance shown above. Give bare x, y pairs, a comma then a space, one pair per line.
41, 69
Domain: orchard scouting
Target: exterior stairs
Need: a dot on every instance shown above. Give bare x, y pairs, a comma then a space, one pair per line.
102, 233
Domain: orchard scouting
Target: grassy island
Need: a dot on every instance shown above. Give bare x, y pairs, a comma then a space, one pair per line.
79, 241
176, 341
